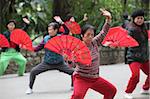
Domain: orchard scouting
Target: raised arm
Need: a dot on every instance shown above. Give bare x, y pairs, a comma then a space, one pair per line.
66, 32
85, 18
26, 23
99, 38
59, 20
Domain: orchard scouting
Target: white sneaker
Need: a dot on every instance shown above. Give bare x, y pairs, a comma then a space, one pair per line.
29, 91
128, 96
145, 91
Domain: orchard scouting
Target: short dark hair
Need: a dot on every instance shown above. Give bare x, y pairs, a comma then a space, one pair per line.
12, 20
55, 25
86, 27
139, 12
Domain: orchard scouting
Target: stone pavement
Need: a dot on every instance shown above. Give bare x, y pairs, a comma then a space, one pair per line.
56, 85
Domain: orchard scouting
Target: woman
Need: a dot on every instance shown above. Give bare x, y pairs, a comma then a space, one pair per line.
13, 52
86, 77
137, 57
51, 61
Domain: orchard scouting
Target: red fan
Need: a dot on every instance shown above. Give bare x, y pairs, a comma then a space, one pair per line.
3, 41
118, 37
71, 47
21, 38
61, 29
74, 27
148, 35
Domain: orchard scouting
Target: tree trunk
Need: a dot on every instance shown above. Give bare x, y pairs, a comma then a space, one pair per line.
61, 7
145, 6
124, 5
7, 9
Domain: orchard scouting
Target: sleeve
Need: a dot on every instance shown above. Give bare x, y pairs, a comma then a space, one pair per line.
25, 26
66, 29
71, 64
3, 49
132, 33
39, 47
17, 48
80, 22
99, 38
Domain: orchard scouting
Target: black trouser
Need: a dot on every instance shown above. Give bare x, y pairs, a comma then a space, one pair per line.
43, 67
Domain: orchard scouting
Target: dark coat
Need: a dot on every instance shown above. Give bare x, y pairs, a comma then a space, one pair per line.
141, 52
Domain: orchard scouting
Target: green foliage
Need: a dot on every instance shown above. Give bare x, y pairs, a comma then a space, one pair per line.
91, 7
40, 11
116, 7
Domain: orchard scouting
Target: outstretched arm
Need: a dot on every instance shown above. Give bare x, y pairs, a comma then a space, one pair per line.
25, 24
99, 38
39, 47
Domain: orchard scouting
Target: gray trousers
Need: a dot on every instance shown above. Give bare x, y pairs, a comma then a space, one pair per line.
43, 67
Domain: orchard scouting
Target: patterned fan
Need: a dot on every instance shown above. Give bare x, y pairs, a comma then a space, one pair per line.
73, 26
118, 37
21, 38
3, 41
71, 47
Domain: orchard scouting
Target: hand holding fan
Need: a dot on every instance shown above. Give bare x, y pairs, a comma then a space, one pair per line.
3, 41
75, 50
21, 38
73, 26
118, 37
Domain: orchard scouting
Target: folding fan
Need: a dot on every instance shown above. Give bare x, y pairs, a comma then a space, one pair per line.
21, 38
118, 37
73, 26
3, 41
61, 29
75, 50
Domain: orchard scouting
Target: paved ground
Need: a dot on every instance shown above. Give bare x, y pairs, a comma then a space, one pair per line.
56, 85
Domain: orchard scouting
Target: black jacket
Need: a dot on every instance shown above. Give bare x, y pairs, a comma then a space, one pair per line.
141, 52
